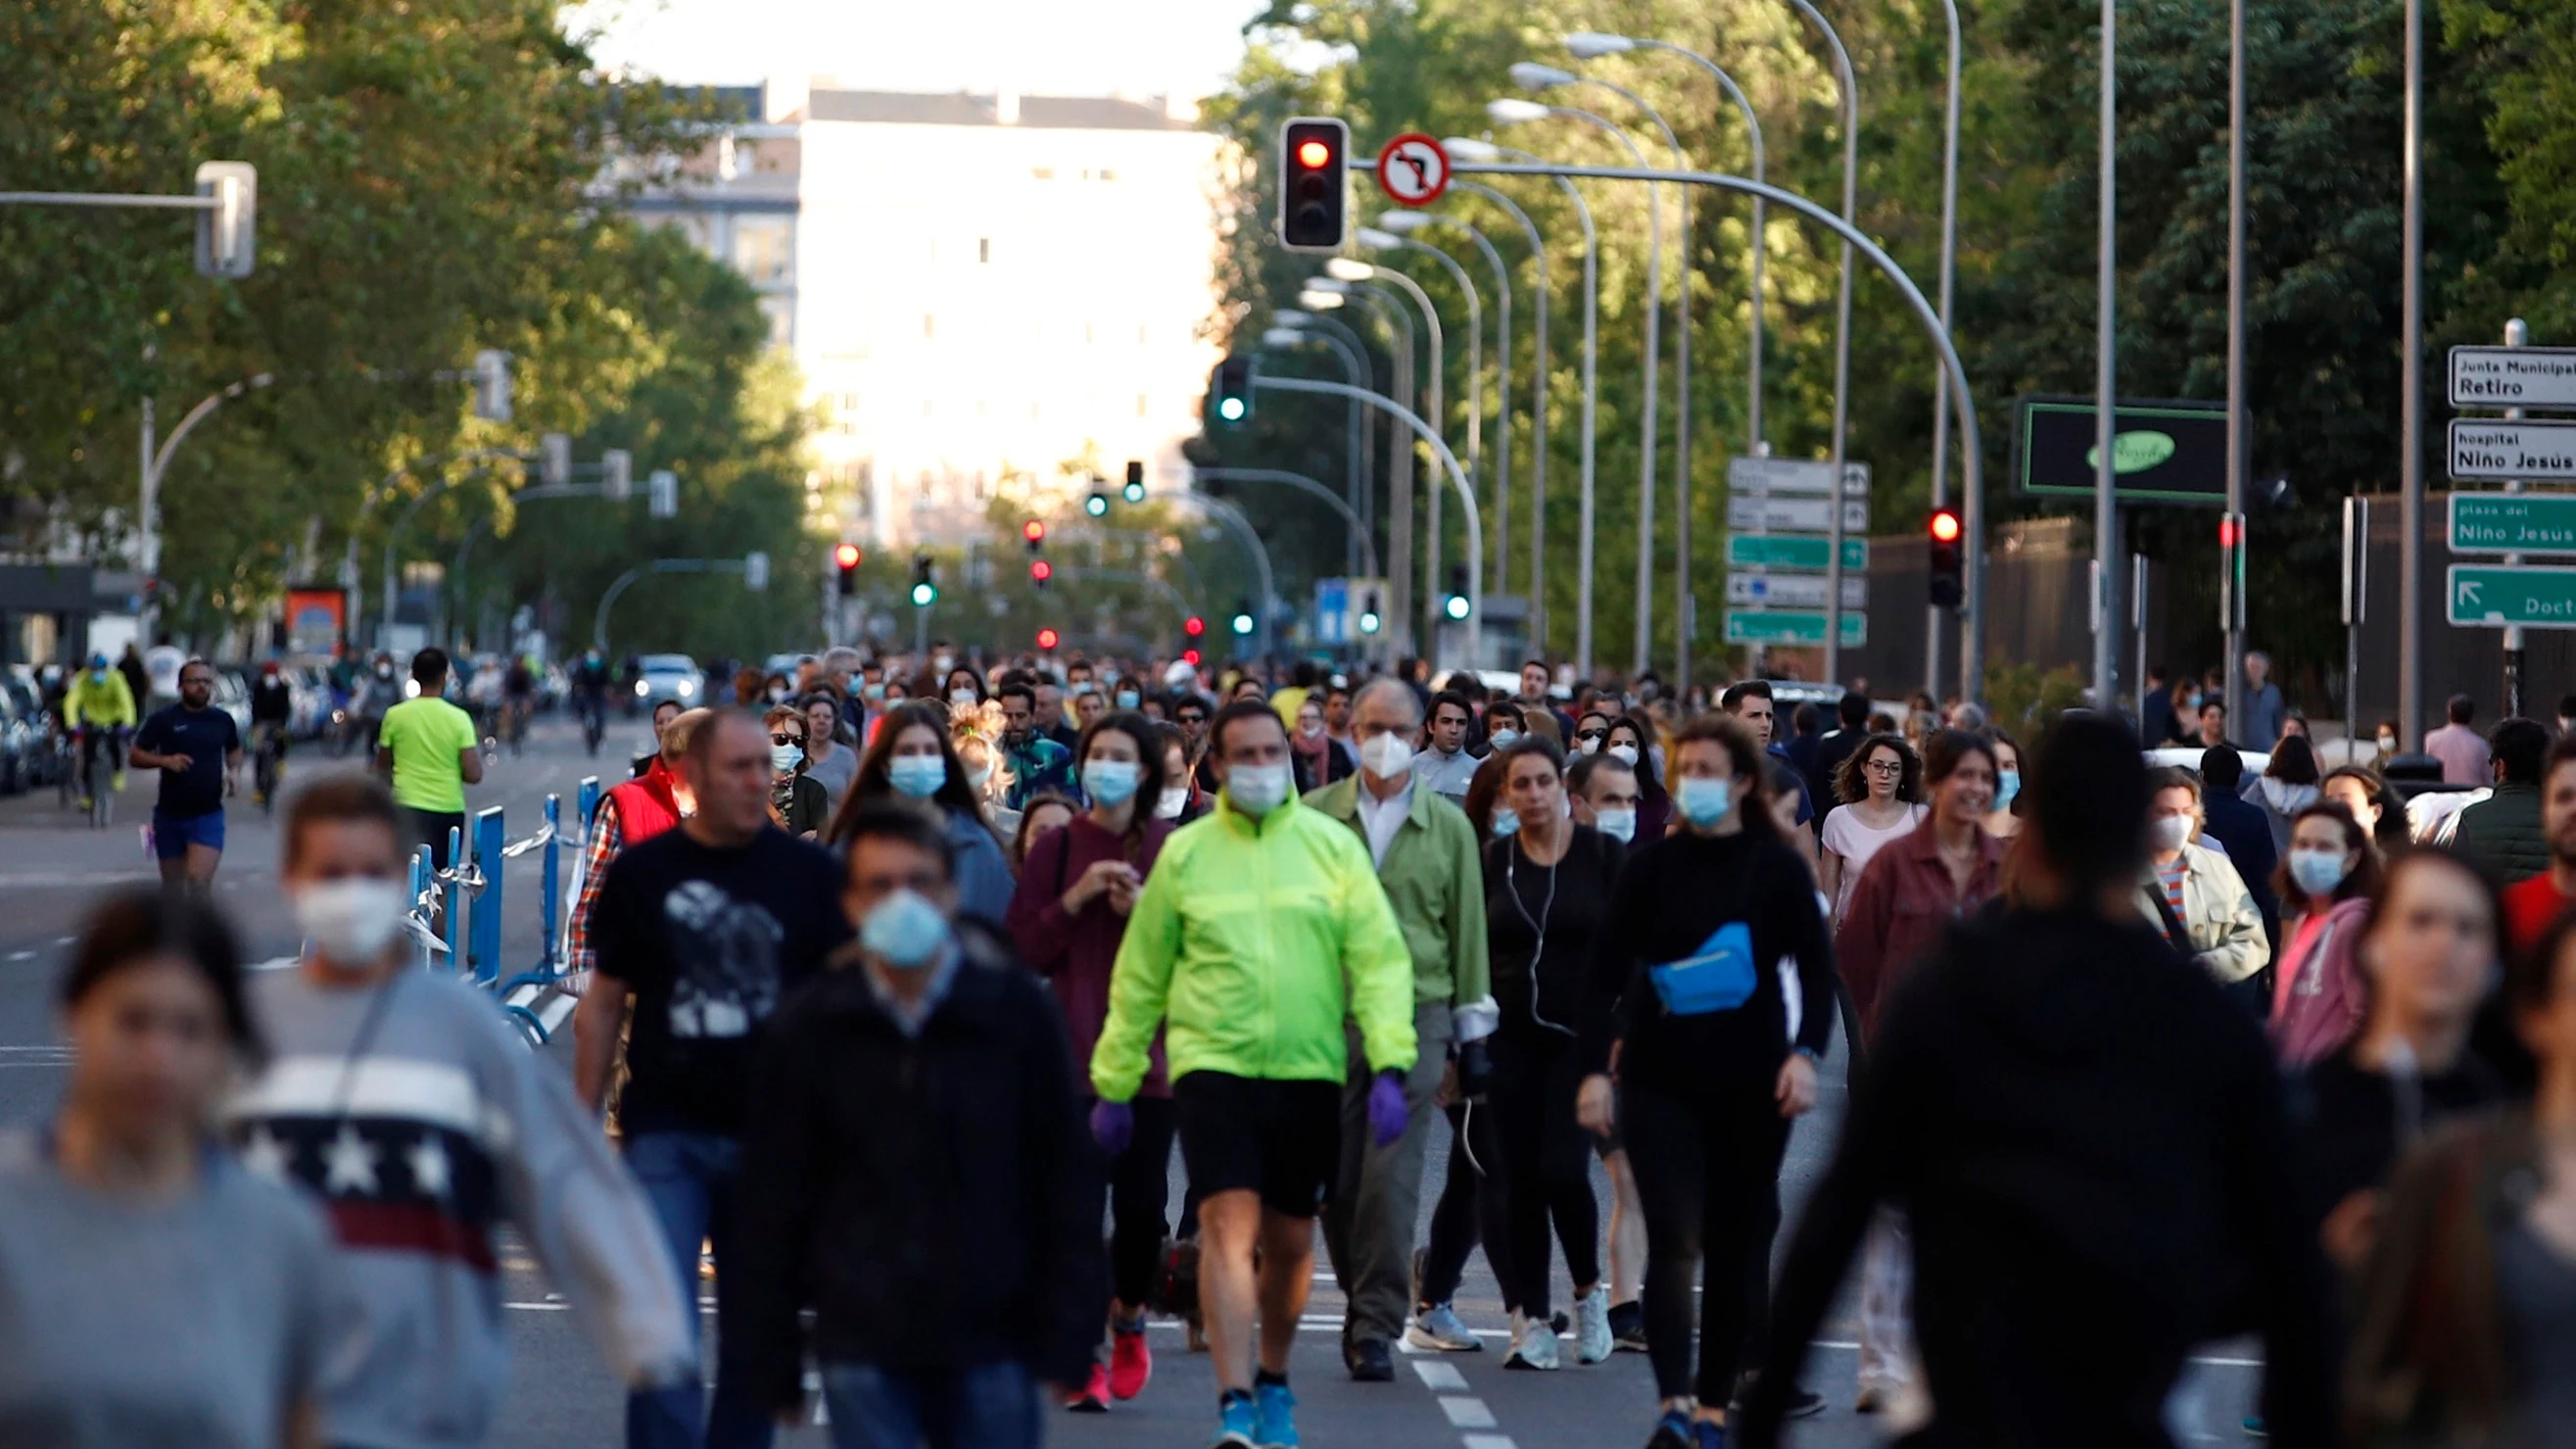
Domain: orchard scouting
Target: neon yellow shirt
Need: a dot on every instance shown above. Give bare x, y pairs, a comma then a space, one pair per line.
425, 736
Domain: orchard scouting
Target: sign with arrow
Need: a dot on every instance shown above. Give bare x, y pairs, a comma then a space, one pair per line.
1770, 477
2497, 596
1413, 169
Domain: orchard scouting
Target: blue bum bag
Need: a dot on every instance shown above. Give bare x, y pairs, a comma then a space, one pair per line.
1718, 977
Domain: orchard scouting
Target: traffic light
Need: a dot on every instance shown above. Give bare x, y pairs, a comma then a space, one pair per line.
845, 564
2231, 571
925, 592
1314, 194
1229, 399
1047, 640
1370, 622
1457, 605
1947, 560
1096, 503
1134, 492
1040, 571
1194, 626
1035, 532
1242, 619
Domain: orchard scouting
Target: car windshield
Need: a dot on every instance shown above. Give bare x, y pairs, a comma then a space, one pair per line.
668, 664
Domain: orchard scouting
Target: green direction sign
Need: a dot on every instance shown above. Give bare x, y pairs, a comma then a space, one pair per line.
2493, 596
1752, 551
2513, 523
1803, 626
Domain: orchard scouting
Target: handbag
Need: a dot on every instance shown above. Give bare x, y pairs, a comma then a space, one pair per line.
1719, 976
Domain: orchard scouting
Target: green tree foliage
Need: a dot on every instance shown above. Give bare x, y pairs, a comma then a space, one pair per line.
431, 183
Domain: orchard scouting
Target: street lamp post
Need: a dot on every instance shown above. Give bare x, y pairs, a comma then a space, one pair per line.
1325, 293
1358, 275
1322, 320
1357, 372
1842, 336
1383, 240
2106, 583
1511, 111
156, 465
1404, 222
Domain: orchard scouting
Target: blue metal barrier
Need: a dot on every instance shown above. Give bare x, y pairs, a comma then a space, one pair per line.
550, 894
468, 900
483, 942
451, 908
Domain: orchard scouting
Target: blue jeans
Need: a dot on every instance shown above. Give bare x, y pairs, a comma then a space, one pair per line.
989, 1406
689, 1177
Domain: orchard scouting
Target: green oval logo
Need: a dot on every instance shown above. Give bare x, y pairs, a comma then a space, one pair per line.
2133, 452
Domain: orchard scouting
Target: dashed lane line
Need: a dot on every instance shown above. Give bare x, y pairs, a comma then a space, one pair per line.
1467, 1413
1490, 1441
1439, 1377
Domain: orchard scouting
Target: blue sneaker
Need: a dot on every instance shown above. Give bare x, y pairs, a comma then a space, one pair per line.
1238, 1425
1278, 1416
1710, 1435
1673, 1431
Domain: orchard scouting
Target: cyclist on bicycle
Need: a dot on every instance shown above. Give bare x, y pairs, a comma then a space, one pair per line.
99, 706
518, 699
590, 697
272, 711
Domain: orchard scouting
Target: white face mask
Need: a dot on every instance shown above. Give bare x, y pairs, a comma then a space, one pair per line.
1626, 753
1385, 756
350, 921
1173, 802
1619, 825
1256, 790
962, 698
2168, 832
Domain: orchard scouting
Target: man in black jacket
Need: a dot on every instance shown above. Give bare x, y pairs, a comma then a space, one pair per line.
2237, 824
919, 1172
2093, 1149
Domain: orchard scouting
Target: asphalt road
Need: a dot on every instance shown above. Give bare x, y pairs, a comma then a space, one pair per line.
52, 865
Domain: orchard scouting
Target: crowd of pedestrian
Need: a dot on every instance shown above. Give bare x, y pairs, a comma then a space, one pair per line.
902, 979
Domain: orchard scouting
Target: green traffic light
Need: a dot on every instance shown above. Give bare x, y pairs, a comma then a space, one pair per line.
1096, 505
1243, 623
1457, 607
923, 594
1135, 492
1369, 622
1230, 410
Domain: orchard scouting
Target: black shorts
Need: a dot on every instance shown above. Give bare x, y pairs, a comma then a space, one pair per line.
1278, 1139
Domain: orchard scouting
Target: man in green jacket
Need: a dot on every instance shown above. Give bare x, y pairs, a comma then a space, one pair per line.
2501, 834
1259, 931
1427, 859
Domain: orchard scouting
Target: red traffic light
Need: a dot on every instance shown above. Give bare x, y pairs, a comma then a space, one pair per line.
1945, 525
1034, 531
846, 555
1047, 639
2228, 535
1194, 626
1041, 570
1190, 657
1314, 155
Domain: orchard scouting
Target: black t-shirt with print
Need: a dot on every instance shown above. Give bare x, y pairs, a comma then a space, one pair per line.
710, 941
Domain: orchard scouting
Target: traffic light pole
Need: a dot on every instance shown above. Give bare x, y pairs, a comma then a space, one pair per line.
1233, 518
1457, 479
608, 600
1358, 530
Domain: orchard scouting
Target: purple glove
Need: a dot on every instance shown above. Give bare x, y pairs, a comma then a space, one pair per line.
1387, 1117
1112, 1124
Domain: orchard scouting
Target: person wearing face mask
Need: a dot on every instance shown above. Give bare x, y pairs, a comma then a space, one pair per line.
1425, 853
1631, 741
423, 1124
98, 708
709, 926
920, 1094
1260, 932
1077, 889
1317, 761
963, 686
1907, 895
1179, 802
797, 802
913, 761
2196, 896
1681, 983
2003, 821
2326, 883
1502, 722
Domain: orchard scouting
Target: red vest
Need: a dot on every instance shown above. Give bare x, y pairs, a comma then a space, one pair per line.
644, 805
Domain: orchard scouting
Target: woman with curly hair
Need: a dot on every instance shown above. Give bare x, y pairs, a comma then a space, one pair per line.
1880, 785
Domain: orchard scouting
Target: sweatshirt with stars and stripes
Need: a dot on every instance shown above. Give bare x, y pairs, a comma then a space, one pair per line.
421, 1122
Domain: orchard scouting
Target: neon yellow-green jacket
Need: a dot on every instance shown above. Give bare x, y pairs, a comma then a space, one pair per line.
98, 703
1251, 943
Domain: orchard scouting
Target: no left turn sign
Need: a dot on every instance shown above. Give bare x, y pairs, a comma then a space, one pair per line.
1413, 169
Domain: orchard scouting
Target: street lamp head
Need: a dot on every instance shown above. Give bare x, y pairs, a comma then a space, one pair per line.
1512, 111
1315, 301
1282, 337
1291, 317
1329, 285
1530, 75
1348, 269
1376, 240
1471, 148
1401, 222
1593, 44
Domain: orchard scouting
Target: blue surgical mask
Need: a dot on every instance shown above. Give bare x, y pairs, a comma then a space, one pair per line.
1507, 821
1704, 800
905, 931
1502, 739
2007, 785
1256, 790
918, 776
2317, 872
784, 758
1619, 825
1111, 782
1128, 699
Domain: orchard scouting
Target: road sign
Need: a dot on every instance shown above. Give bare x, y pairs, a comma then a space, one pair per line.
1413, 169
2513, 377
1795, 515
2490, 449
2162, 452
2492, 596
1792, 591
1776, 626
1752, 551
1770, 477
2513, 523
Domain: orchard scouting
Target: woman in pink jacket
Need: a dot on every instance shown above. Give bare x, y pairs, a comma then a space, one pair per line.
2326, 882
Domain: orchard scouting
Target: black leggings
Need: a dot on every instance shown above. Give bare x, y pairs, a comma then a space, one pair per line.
1470, 1207
1708, 1180
1546, 1164
1139, 1192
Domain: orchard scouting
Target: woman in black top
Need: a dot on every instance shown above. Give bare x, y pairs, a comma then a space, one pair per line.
1546, 889
797, 801
1683, 980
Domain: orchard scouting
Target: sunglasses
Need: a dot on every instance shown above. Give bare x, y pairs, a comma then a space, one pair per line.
1581, 735
1193, 719
787, 739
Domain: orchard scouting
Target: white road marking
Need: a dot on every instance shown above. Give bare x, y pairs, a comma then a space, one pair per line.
1467, 1413
1439, 1377
1490, 1441
22, 955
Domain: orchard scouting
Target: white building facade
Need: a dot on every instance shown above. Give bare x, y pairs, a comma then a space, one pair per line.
982, 292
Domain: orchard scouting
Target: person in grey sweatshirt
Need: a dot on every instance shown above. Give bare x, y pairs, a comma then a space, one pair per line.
404, 1101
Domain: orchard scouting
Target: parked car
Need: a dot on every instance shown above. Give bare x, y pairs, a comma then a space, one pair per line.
669, 676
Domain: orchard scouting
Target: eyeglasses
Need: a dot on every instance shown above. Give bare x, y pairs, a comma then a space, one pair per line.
1193, 719
787, 739
1885, 767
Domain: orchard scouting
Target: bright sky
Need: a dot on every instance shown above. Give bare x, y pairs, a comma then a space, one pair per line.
1045, 47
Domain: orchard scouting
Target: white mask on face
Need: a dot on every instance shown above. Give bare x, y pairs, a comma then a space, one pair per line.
962, 698
1256, 790
1385, 756
1502, 739
1627, 753
350, 921
2168, 832
1619, 825
1173, 802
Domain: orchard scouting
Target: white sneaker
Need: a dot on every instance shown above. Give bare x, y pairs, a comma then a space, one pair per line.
1592, 1342
1533, 1345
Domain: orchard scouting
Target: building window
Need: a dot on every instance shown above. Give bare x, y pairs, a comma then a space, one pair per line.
984, 249
764, 250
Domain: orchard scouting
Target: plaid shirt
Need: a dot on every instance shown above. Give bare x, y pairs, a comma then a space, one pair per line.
605, 840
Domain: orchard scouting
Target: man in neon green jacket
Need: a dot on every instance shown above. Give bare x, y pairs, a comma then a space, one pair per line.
1261, 928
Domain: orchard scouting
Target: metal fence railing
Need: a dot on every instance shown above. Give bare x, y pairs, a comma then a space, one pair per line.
457, 914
